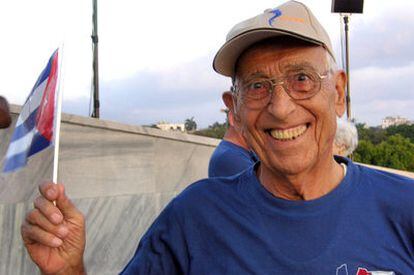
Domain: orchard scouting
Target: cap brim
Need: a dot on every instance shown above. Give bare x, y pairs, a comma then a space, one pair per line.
226, 57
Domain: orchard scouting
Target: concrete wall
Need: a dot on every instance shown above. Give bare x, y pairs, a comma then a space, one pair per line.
120, 176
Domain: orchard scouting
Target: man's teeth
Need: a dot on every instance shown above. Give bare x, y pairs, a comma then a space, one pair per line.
288, 134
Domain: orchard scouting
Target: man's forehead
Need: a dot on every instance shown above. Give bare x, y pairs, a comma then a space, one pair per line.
286, 57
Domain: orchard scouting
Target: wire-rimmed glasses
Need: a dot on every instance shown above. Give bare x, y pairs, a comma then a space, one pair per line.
299, 85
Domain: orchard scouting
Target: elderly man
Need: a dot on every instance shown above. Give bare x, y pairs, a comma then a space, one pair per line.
5, 118
297, 211
232, 155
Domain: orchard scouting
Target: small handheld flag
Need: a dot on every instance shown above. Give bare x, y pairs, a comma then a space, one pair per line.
34, 129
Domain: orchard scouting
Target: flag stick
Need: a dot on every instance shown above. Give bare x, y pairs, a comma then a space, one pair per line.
58, 117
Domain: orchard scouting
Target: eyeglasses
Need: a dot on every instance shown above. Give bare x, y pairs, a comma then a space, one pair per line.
299, 85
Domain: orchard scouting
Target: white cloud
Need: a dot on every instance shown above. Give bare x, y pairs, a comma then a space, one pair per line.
377, 92
371, 83
171, 44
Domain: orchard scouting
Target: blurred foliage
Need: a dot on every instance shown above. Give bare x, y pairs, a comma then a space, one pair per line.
190, 124
216, 130
406, 131
392, 147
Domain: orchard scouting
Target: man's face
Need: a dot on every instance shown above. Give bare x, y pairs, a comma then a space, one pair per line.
290, 136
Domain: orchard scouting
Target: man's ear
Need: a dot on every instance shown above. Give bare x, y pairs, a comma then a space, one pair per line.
230, 102
340, 102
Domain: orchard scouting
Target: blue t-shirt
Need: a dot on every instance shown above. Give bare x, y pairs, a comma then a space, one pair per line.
235, 226
229, 159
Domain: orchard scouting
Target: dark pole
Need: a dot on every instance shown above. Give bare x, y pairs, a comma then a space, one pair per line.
95, 112
348, 89
346, 8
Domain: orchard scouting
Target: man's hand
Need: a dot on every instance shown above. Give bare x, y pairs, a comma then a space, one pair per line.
55, 235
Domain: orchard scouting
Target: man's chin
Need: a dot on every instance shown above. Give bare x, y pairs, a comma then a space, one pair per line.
293, 165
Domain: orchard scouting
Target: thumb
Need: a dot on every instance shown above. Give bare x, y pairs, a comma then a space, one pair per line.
65, 205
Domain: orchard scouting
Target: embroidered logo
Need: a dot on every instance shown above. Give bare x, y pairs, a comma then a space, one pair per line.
276, 13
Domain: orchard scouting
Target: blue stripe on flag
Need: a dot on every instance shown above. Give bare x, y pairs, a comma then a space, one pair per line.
39, 143
25, 127
15, 162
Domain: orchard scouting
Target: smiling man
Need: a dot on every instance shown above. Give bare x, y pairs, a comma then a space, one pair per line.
296, 211
288, 96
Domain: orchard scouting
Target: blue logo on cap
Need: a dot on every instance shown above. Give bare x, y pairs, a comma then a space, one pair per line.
276, 13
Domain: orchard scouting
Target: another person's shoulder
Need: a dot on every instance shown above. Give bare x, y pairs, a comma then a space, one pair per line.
227, 147
229, 159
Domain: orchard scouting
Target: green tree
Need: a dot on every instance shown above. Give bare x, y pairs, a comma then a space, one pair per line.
396, 152
216, 130
374, 134
366, 152
362, 131
405, 130
190, 124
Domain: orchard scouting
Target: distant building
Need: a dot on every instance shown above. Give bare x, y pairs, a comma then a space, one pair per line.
165, 126
394, 121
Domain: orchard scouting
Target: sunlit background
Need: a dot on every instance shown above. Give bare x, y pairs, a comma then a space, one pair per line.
155, 56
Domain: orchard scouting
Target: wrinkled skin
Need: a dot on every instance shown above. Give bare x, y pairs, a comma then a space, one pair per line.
54, 235
302, 168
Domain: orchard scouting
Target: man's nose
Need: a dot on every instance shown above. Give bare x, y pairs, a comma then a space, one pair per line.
281, 105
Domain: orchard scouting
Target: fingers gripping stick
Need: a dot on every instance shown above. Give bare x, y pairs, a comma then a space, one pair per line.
54, 232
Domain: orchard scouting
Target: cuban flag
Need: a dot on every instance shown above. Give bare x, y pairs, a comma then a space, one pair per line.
34, 129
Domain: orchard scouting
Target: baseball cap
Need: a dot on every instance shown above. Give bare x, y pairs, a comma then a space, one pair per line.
292, 18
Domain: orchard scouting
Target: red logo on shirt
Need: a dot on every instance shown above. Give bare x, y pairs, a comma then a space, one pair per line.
363, 271
343, 270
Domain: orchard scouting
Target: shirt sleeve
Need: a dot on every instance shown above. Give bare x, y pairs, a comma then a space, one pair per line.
162, 250
229, 164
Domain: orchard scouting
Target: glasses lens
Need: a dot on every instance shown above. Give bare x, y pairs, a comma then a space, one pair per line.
257, 89
303, 84
256, 93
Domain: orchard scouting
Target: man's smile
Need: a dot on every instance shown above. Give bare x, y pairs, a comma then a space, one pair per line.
288, 134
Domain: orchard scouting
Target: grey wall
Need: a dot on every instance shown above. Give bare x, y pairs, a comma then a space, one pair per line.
120, 176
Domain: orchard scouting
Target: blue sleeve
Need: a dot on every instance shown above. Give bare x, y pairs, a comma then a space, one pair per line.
229, 159
162, 250
228, 166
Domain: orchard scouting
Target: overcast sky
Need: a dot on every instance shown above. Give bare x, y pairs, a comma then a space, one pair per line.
155, 56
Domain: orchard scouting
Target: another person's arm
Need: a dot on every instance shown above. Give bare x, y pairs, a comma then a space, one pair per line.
54, 235
5, 118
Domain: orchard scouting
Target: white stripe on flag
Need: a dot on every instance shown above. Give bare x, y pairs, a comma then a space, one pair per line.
32, 103
21, 145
